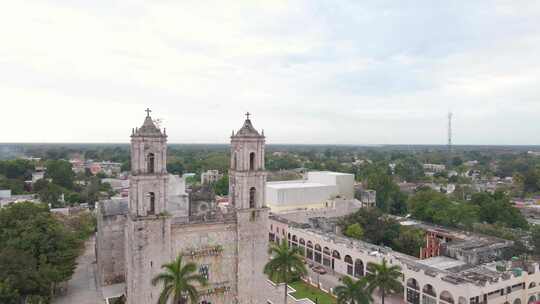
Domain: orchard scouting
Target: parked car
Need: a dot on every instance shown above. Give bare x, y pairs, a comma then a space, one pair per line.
319, 270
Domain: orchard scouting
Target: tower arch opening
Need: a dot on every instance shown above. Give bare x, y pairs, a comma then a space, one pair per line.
252, 193
252, 161
150, 162
152, 205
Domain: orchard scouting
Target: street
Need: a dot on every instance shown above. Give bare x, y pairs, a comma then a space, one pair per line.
82, 286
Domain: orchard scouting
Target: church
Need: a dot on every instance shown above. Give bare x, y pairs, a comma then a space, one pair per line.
228, 245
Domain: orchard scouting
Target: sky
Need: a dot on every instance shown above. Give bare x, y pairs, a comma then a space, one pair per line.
310, 72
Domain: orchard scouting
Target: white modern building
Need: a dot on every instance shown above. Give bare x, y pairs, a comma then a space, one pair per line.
313, 192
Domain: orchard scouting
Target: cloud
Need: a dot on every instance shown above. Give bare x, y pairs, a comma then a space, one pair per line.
311, 72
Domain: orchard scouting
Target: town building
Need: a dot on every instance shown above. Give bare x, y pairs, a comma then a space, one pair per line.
434, 168
313, 192
39, 173
107, 168
464, 272
6, 198
210, 176
139, 234
368, 198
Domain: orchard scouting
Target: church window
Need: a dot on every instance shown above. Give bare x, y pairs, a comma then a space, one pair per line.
152, 198
252, 161
252, 197
234, 161
150, 164
204, 271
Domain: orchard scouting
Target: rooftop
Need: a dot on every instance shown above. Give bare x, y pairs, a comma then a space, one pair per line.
332, 173
448, 269
442, 262
294, 184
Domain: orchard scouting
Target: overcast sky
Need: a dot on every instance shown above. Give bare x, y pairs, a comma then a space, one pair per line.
332, 72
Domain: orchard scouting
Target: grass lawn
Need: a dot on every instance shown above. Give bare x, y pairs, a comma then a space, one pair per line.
304, 290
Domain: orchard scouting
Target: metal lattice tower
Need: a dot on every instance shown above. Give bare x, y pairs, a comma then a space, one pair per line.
449, 133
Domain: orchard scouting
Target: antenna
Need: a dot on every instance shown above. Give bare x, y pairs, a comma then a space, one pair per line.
449, 135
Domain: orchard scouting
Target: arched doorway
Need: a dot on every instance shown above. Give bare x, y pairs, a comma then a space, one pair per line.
318, 253
309, 250
429, 296
447, 297
348, 260
335, 256
358, 268
413, 291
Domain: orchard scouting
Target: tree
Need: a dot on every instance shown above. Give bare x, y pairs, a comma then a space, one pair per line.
377, 228
389, 197
410, 240
37, 251
17, 186
426, 204
354, 231
61, 173
50, 194
496, 207
385, 278
16, 169
535, 239
285, 265
178, 282
353, 292
8, 295
409, 169
221, 187
90, 194
19, 269
175, 167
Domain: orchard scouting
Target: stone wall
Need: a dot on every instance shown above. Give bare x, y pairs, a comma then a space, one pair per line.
110, 249
252, 254
148, 246
211, 247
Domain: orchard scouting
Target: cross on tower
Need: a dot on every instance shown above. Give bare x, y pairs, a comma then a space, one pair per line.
247, 115
148, 111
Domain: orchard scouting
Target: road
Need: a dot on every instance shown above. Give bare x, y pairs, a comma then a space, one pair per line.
82, 286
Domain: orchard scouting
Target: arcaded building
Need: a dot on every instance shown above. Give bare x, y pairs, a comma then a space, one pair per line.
229, 246
467, 273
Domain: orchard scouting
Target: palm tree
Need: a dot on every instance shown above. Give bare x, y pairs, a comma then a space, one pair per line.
178, 280
353, 292
285, 265
384, 277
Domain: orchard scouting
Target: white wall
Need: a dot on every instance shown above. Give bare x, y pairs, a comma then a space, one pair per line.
5, 193
343, 181
298, 196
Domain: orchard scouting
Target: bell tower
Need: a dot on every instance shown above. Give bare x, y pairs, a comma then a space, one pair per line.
247, 175
247, 183
148, 226
148, 179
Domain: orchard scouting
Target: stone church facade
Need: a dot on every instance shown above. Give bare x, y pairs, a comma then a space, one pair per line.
229, 245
